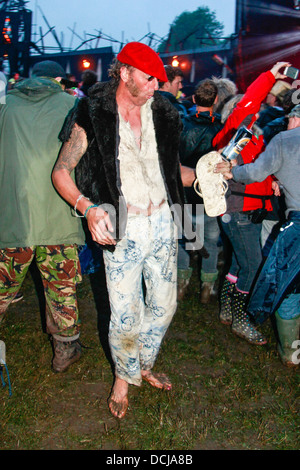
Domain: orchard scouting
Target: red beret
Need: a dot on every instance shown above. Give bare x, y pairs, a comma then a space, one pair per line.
144, 58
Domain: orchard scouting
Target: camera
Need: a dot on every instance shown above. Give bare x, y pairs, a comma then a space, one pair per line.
237, 143
258, 216
291, 72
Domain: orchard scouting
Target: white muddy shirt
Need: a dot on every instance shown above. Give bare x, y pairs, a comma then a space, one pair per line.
141, 178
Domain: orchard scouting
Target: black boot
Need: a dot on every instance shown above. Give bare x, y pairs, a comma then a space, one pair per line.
225, 302
241, 323
65, 353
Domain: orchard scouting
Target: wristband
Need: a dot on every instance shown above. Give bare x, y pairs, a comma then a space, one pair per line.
88, 208
75, 207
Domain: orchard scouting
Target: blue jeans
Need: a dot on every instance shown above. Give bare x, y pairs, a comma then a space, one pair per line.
208, 228
244, 237
211, 239
290, 307
183, 255
279, 274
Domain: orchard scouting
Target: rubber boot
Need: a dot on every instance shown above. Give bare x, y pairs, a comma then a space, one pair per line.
241, 323
207, 287
183, 280
225, 302
207, 292
288, 332
66, 352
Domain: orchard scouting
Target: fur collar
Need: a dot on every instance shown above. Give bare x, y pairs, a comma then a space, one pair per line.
97, 174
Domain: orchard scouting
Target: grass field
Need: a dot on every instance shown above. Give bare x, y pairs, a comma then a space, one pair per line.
227, 394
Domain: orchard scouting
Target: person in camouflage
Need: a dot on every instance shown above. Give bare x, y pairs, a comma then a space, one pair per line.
35, 223
60, 271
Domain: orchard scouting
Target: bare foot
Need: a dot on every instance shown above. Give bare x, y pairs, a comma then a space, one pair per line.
118, 400
157, 380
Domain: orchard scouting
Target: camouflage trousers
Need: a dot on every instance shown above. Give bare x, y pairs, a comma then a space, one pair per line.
60, 272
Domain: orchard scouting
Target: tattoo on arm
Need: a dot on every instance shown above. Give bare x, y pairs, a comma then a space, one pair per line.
72, 151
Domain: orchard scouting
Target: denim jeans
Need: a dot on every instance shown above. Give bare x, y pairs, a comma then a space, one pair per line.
183, 255
207, 229
247, 255
290, 307
211, 239
279, 274
195, 235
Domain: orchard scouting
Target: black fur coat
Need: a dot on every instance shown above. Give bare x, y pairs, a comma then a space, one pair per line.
97, 174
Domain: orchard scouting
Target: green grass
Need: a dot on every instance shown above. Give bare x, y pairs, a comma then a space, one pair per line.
226, 393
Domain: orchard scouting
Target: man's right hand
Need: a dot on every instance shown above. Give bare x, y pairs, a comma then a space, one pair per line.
100, 226
275, 69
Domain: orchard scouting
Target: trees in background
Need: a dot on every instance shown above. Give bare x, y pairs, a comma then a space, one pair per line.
192, 29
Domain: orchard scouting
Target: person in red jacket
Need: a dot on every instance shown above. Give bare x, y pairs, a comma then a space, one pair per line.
242, 222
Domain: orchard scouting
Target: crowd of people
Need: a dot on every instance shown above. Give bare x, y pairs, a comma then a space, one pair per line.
115, 163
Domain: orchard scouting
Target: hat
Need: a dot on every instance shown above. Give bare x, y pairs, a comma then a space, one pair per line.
280, 88
48, 68
295, 112
144, 58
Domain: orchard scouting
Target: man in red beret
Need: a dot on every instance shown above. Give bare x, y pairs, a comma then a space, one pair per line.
123, 141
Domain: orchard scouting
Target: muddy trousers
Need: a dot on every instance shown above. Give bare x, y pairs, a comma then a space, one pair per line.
146, 256
60, 272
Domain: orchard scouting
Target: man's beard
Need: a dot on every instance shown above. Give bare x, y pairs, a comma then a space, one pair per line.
132, 88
